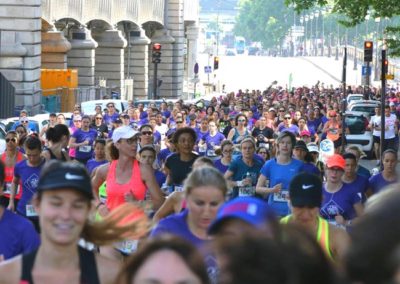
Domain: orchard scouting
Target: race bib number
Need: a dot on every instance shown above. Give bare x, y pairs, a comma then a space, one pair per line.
127, 247
178, 188
247, 191
211, 153
7, 188
85, 149
281, 196
30, 211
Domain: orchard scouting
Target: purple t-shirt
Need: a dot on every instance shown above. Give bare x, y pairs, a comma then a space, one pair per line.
18, 236
29, 177
360, 186
92, 164
108, 119
339, 203
84, 152
377, 183
293, 129
176, 225
221, 167
212, 141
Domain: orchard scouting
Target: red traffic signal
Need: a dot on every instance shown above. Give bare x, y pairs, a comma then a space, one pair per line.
216, 62
157, 47
385, 66
156, 53
368, 50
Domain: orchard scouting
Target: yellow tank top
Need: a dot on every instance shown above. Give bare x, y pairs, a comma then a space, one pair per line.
322, 234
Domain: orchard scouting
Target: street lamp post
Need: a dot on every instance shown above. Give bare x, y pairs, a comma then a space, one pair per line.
337, 42
376, 69
355, 49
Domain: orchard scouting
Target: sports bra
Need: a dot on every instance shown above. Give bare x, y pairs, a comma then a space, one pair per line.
87, 266
54, 157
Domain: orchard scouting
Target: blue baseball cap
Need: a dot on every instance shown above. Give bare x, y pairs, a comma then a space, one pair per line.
251, 210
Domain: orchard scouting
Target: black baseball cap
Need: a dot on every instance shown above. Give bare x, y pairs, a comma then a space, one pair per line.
305, 190
65, 175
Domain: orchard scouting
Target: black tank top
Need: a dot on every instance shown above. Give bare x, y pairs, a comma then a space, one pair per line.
53, 157
87, 265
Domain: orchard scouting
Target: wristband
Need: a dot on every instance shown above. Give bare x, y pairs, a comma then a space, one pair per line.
98, 205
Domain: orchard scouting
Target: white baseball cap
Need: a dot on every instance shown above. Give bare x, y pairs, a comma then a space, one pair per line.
312, 147
123, 132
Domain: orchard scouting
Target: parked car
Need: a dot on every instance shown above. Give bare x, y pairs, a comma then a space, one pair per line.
365, 106
357, 122
354, 97
88, 107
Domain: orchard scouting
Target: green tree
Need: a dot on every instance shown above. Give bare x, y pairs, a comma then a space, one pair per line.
265, 21
356, 11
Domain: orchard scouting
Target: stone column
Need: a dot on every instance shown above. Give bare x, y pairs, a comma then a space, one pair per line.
166, 69
137, 62
110, 58
174, 22
20, 26
54, 50
192, 35
82, 56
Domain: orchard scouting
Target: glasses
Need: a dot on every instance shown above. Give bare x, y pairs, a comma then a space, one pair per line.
179, 122
281, 110
227, 151
99, 118
77, 120
131, 141
241, 120
147, 133
11, 139
24, 121
287, 117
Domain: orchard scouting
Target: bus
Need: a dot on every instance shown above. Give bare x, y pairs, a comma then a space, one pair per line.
240, 44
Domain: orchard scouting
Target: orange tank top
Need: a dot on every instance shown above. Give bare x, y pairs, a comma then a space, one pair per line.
116, 192
9, 175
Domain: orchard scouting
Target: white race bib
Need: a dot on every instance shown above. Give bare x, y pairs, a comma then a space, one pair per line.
7, 188
281, 196
30, 211
178, 188
127, 247
247, 191
211, 153
85, 149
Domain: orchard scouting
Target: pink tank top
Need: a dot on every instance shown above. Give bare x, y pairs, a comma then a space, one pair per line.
9, 175
116, 192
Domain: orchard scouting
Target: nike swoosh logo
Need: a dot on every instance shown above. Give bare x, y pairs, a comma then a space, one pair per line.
73, 177
307, 186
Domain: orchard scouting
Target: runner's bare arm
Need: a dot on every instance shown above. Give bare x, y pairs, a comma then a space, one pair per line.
169, 206
10, 271
13, 189
98, 179
148, 177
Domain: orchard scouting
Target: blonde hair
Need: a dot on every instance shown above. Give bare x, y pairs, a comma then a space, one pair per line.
205, 176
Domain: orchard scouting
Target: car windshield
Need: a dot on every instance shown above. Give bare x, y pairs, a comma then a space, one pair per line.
368, 109
356, 124
2, 134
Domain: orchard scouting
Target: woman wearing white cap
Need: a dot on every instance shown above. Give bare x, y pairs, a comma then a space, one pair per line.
126, 178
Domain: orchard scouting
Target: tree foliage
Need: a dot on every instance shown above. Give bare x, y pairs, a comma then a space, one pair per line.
356, 11
265, 21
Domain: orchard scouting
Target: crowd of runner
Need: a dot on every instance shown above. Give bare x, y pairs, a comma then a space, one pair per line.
234, 190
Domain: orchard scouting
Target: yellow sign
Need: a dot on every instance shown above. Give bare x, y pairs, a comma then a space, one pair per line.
389, 76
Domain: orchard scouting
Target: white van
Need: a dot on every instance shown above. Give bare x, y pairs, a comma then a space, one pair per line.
88, 108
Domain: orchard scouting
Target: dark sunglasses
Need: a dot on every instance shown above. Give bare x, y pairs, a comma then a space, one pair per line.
97, 118
241, 120
11, 139
287, 117
147, 133
24, 121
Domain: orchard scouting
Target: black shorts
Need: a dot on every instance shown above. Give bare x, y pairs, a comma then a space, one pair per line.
377, 139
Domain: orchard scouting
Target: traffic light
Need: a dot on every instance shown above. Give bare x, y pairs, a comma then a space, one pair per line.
216, 62
368, 50
385, 66
156, 54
